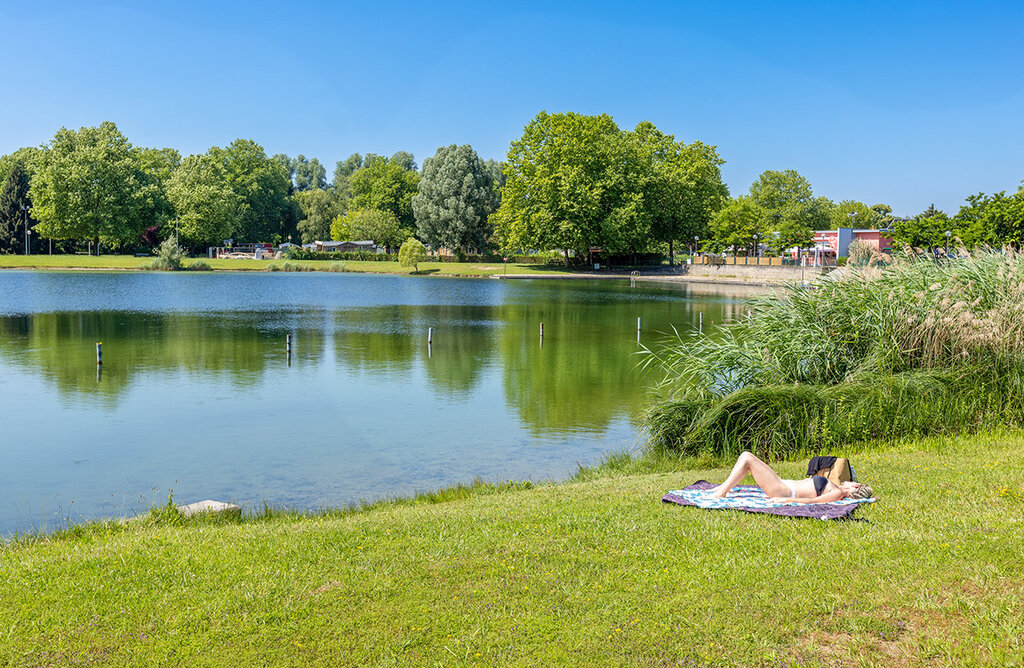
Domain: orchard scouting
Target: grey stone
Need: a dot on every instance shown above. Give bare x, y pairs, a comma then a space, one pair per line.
208, 506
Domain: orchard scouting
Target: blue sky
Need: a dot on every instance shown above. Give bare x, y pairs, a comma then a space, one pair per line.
907, 103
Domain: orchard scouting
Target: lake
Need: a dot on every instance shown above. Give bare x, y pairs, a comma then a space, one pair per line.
197, 395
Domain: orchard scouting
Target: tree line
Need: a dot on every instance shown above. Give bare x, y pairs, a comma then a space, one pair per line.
572, 182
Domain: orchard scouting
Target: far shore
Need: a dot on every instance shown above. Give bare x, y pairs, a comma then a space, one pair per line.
426, 269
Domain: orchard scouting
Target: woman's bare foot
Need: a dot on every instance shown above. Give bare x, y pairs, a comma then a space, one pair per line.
719, 493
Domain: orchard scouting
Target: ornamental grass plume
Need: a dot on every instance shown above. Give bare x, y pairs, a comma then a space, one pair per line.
916, 346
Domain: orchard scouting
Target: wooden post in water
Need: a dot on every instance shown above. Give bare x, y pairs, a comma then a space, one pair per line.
288, 348
430, 335
700, 327
542, 334
99, 353
638, 329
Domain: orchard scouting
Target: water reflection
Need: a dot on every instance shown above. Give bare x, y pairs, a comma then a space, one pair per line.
197, 364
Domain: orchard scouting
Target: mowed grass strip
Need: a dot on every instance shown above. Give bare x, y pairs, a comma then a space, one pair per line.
424, 269
585, 573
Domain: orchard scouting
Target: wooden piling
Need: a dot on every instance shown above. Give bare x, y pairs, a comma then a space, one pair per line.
638, 329
430, 335
99, 353
700, 326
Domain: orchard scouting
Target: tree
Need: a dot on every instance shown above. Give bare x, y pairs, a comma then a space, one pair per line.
412, 252
682, 187
791, 212
92, 184
261, 184
381, 227
926, 230
13, 214
343, 170
288, 164
309, 174
497, 170
26, 157
863, 215
318, 208
405, 160
736, 224
456, 197
995, 219
204, 201
572, 184
385, 185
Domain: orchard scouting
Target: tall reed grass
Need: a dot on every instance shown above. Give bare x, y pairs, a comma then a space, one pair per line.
915, 348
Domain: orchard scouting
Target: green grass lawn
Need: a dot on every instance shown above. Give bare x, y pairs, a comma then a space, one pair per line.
130, 262
582, 573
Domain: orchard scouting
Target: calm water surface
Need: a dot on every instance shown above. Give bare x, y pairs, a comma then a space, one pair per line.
197, 395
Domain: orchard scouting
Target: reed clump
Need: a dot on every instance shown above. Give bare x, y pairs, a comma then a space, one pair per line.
917, 347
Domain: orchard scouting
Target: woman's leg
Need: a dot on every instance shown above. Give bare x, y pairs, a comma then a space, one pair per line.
764, 476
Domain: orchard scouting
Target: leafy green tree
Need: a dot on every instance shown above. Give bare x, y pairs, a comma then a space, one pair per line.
288, 164
384, 185
27, 157
309, 174
381, 227
735, 224
92, 184
791, 212
340, 231
456, 197
318, 208
926, 230
261, 184
14, 200
572, 184
343, 171
204, 201
405, 160
996, 219
681, 185
412, 253
862, 216
497, 170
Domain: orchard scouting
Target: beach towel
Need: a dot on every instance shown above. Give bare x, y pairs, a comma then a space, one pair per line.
750, 499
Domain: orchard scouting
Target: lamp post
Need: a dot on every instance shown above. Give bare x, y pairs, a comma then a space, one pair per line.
948, 234
696, 244
28, 248
757, 249
853, 219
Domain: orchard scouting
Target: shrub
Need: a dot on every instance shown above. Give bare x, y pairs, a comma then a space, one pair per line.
919, 347
199, 265
363, 256
168, 257
412, 253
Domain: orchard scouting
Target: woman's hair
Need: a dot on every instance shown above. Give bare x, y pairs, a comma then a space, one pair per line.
862, 492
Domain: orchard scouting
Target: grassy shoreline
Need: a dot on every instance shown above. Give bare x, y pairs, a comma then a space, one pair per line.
130, 263
72, 263
593, 572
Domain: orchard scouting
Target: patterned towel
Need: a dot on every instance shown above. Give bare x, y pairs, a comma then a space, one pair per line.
750, 498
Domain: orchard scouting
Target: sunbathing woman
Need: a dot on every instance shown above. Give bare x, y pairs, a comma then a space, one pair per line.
809, 490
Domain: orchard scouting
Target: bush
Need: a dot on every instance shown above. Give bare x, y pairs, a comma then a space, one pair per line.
168, 257
361, 256
412, 253
199, 265
917, 348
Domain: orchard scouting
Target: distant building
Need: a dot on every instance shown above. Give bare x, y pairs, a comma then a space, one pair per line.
344, 246
836, 243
